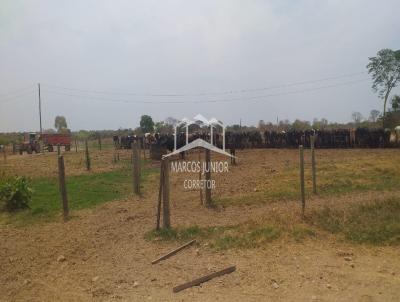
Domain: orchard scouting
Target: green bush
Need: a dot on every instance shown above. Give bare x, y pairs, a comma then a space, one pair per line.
15, 193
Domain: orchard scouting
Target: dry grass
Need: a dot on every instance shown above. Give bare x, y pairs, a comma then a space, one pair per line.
374, 222
273, 175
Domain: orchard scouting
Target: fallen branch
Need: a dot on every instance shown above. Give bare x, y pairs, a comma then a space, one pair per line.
171, 253
204, 279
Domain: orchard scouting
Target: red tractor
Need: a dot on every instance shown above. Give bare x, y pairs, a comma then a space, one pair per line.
51, 140
30, 144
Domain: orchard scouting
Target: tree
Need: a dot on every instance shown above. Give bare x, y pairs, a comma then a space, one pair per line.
320, 125
171, 121
138, 131
234, 127
146, 124
301, 125
60, 123
373, 115
284, 125
82, 134
396, 102
163, 127
356, 117
261, 125
385, 71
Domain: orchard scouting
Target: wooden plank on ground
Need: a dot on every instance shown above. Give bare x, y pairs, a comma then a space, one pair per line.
204, 279
171, 253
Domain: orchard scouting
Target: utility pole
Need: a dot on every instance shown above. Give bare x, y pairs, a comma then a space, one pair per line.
40, 110
40, 117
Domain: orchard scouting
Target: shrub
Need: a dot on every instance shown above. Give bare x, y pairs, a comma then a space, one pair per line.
15, 193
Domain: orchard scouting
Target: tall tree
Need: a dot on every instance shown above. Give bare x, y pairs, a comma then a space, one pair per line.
357, 117
320, 125
301, 125
385, 72
171, 121
146, 124
60, 123
373, 115
261, 125
163, 127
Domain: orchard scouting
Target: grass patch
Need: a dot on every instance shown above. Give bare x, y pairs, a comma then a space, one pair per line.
300, 233
251, 239
220, 238
374, 223
188, 233
84, 191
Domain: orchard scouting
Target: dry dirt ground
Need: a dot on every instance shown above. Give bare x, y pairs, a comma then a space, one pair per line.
101, 253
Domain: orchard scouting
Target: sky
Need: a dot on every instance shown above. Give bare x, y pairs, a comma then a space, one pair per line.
103, 64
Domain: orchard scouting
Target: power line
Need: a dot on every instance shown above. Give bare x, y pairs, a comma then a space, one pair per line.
228, 100
206, 93
12, 98
17, 91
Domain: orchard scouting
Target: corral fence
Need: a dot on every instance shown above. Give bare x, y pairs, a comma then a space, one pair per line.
340, 138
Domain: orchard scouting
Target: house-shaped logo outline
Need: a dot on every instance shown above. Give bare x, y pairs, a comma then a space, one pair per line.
199, 143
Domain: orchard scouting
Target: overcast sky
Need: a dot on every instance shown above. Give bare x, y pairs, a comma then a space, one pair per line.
200, 49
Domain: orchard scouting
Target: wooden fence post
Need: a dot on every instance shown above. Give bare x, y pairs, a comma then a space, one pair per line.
63, 188
87, 156
303, 199
208, 178
76, 146
158, 216
165, 192
136, 168
58, 150
139, 160
233, 159
4, 153
314, 173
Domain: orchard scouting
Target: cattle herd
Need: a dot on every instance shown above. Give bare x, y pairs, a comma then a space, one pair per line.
339, 138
